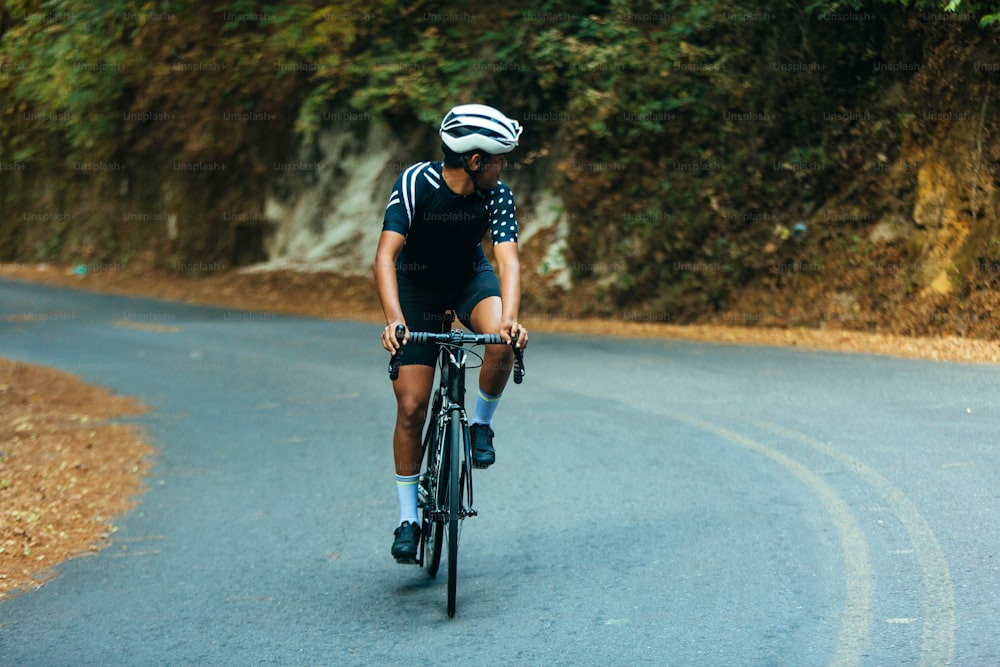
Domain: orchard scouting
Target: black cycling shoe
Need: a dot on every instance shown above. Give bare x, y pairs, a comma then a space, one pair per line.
404, 547
483, 454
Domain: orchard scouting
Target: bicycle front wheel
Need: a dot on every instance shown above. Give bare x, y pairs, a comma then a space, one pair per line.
455, 443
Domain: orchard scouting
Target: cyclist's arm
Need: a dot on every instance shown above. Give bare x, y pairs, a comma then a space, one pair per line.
509, 273
390, 244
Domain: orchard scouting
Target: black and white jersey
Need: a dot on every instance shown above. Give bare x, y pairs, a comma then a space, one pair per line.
444, 230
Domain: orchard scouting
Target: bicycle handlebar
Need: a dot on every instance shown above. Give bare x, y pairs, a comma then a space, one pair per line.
456, 337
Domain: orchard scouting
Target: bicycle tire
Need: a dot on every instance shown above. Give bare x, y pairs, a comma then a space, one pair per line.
455, 441
437, 526
434, 529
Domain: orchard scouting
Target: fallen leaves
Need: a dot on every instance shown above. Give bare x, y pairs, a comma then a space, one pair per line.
65, 470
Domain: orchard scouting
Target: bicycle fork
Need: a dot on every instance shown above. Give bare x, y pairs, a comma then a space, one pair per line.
455, 383
439, 475
452, 420
465, 462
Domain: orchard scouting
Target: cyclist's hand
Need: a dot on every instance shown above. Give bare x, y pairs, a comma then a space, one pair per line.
507, 330
389, 341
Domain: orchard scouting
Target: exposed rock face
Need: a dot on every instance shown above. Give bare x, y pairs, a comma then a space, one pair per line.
326, 208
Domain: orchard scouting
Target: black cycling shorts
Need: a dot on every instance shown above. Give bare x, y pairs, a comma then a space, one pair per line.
427, 309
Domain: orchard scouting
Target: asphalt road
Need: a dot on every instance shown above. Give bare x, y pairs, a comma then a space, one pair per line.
654, 503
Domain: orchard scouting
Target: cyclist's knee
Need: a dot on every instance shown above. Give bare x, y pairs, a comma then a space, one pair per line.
413, 389
498, 357
411, 412
499, 352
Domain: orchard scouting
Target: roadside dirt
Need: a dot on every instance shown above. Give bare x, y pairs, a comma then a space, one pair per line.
66, 471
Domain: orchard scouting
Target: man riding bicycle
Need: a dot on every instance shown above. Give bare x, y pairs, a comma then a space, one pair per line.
429, 263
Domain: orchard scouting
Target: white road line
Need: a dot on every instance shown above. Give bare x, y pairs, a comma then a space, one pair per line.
855, 627
939, 597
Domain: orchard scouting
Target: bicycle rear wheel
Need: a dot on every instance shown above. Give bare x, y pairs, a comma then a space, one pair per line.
437, 487
455, 442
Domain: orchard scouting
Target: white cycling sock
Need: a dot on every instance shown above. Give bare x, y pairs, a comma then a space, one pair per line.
486, 405
406, 489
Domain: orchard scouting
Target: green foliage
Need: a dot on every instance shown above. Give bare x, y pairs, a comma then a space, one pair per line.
667, 121
596, 63
989, 12
82, 66
70, 59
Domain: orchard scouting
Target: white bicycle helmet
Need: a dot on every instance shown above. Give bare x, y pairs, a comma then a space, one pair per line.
472, 127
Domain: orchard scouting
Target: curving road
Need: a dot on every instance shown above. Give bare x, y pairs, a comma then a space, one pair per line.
654, 503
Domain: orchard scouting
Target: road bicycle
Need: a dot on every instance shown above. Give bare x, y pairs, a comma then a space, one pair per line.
445, 486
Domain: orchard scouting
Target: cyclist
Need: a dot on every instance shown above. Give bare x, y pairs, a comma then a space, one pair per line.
429, 261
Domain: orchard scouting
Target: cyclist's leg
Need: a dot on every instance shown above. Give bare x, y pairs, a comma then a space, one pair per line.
479, 308
421, 310
498, 360
413, 391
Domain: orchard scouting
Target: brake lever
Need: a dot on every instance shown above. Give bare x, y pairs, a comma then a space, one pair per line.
394, 361
518, 359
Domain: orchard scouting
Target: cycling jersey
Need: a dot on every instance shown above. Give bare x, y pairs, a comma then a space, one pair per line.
444, 230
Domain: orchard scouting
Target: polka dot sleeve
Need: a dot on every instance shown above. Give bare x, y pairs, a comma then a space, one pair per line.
503, 222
